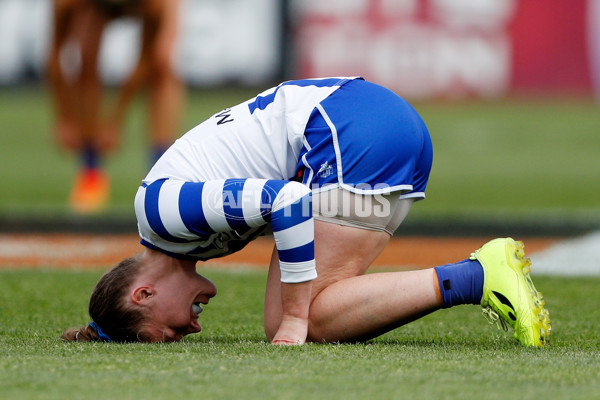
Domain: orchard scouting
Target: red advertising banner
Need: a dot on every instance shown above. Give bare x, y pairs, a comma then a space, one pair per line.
448, 48
550, 46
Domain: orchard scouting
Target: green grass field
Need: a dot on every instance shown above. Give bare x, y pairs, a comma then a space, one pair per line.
507, 159
511, 158
449, 354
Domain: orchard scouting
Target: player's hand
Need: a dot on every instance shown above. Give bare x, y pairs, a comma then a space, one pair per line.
295, 301
292, 331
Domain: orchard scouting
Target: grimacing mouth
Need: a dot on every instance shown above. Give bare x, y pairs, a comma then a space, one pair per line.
197, 307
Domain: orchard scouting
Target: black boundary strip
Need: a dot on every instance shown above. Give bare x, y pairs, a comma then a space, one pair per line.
441, 227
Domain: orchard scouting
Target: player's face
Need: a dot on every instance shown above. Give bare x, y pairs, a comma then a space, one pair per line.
179, 299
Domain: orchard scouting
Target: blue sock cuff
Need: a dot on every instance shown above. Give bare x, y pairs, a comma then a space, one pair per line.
461, 282
90, 157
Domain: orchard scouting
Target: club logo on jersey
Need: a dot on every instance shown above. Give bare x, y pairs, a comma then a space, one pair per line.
225, 116
325, 170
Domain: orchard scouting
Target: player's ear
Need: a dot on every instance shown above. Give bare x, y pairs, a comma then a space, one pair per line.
141, 295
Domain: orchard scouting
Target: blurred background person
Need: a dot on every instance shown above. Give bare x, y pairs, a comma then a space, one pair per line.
83, 123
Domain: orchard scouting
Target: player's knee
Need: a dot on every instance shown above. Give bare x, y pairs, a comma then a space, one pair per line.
161, 66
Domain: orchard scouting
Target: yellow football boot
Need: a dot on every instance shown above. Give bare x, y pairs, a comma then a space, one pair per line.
509, 294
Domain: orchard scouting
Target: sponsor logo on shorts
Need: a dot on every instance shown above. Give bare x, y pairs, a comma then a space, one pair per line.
325, 170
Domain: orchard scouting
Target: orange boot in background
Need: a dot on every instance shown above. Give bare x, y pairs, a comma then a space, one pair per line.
90, 192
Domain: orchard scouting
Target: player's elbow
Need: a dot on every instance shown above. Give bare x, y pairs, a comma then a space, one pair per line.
292, 192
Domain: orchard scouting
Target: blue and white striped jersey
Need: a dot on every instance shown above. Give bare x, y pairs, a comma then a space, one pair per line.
204, 220
220, 184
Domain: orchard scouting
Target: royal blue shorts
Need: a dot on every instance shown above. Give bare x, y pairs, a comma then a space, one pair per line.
366, 139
